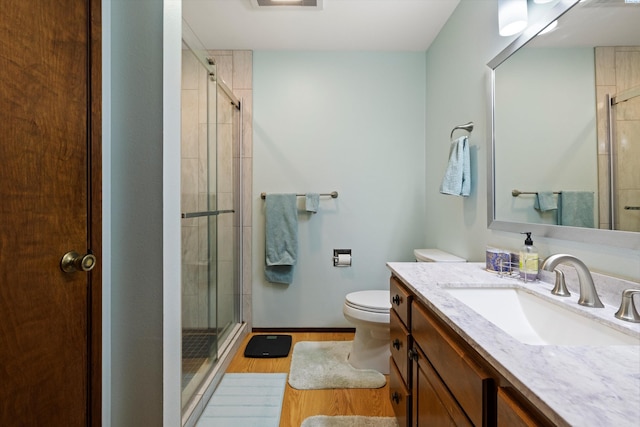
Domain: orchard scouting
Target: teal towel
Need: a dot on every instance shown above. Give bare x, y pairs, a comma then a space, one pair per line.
575, 208
545, 201
281, 237
457, 177
312, 201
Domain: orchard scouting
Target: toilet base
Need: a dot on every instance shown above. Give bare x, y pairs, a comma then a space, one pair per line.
370, 349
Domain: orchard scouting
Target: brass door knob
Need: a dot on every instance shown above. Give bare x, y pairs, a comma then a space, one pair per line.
73, 261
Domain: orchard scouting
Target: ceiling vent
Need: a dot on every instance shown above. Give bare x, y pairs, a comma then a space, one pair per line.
287, 4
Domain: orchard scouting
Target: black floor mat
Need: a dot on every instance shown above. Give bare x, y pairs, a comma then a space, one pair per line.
268, 346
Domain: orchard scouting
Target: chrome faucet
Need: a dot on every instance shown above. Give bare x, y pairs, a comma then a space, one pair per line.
588, 295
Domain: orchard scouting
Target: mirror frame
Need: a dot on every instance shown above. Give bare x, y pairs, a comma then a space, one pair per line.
621, 239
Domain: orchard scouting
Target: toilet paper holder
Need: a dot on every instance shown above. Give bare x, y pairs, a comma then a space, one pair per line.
342, 257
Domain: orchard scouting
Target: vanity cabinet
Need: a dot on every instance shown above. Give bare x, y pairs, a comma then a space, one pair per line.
437, 379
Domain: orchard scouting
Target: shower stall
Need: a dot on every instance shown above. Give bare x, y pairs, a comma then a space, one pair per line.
210, 224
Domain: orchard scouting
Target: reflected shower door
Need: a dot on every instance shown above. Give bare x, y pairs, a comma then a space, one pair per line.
626, 161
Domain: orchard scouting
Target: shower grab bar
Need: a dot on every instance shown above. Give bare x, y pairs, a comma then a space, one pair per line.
333, 194
516, 193
467, 126
206, 213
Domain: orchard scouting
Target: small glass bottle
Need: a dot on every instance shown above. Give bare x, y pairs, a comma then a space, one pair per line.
528, 262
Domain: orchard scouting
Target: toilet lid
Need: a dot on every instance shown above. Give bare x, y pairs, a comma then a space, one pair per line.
374, 301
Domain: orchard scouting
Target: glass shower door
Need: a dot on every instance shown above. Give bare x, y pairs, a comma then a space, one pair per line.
210, 232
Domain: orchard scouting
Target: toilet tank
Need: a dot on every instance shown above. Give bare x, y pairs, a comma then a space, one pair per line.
435, 255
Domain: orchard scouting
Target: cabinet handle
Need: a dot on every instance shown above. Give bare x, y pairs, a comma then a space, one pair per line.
396, 300
396, 344
413, 354
395, 396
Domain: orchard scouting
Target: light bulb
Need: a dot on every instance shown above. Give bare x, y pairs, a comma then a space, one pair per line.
512, 16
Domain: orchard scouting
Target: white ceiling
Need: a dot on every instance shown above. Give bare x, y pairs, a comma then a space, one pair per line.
355, 25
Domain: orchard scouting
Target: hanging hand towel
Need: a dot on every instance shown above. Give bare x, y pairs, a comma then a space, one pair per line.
545, 201
281, 237
312, 201
457, 177
575, 208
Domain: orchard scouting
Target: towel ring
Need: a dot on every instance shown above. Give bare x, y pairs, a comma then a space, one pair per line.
467, 126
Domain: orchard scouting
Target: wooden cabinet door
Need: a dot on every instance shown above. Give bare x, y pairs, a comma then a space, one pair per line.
469, 382
513, 413
433, 405
50, 192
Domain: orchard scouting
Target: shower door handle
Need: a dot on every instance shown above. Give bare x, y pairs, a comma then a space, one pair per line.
206, 213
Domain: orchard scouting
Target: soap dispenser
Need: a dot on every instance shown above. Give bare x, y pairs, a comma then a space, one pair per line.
528, 259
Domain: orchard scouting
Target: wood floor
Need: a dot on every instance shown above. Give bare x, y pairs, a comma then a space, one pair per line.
300, 404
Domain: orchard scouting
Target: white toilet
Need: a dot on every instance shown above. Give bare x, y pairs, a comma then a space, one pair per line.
368, 311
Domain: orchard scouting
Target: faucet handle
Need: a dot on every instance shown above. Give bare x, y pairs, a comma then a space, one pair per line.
560, 287
627, 310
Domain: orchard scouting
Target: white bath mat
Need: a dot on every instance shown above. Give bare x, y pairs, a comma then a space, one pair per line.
323, 364
349, 421
248, 400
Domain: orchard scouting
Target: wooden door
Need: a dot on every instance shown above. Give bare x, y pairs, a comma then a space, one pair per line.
50, 203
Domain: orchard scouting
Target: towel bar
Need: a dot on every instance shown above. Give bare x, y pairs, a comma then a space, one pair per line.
206, 213
516, 193
333, 194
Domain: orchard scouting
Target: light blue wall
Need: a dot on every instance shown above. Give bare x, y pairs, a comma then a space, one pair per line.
346, 121
457, 91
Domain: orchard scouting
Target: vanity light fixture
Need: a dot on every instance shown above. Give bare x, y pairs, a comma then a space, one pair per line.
512, 16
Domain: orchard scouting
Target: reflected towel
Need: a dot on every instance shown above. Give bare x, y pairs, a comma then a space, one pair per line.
545, 201
457, 177
311, 202
575, 208
281, 237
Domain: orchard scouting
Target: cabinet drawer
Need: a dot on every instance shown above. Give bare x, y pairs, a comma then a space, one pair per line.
433, 405
399, 395
468, 382
400, 301
400, 345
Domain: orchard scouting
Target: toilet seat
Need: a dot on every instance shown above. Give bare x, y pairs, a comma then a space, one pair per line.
369, 301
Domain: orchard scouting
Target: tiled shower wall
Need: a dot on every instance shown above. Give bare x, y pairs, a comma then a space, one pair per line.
235, 69
618, 69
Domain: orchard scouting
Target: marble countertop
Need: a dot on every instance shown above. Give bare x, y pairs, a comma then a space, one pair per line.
571, 385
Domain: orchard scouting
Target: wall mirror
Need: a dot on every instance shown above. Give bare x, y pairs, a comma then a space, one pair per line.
565, 126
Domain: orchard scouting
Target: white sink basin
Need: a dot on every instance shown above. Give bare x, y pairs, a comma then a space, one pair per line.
533, 320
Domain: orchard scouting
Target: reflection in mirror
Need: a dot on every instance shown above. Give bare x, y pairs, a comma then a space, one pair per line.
566, 126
